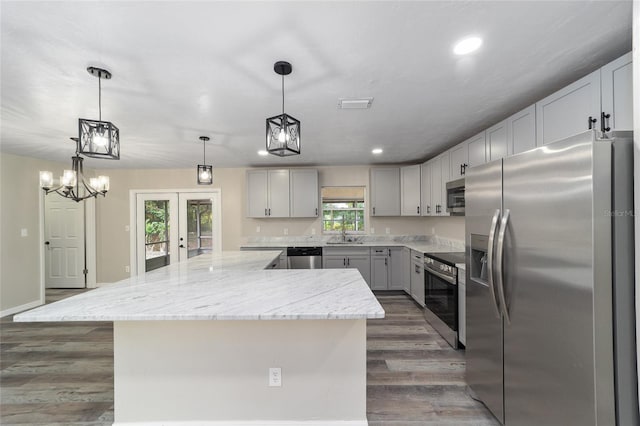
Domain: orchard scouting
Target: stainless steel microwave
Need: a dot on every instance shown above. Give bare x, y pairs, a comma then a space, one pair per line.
455, 197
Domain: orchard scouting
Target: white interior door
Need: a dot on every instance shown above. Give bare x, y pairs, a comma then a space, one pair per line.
64, 226
156, 230
199, 223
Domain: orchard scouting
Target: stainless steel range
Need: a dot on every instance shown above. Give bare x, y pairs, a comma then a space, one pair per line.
441, 293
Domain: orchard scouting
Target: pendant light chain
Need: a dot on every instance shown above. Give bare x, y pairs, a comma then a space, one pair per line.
99, 97
282, 93
204, 152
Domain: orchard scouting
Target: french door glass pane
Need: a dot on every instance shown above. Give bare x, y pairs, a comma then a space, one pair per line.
156, 213
199, 227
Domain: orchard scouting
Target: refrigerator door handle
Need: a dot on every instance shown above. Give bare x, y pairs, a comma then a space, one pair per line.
499, 270
492, 234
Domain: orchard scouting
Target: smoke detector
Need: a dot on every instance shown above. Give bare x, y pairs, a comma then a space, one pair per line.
355, 103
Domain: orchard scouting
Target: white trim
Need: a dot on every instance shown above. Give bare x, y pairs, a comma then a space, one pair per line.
251, 423
42, 248
21, 308
90, 244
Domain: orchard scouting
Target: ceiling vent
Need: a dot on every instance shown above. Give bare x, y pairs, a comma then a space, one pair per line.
361, 103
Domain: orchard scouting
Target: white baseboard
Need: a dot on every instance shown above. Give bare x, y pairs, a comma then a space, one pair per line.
20, 308
250, 423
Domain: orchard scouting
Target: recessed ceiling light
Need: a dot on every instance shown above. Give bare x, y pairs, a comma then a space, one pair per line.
467, 45
263, 152
376, 151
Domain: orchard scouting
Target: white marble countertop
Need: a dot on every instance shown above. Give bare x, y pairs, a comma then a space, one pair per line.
226, 286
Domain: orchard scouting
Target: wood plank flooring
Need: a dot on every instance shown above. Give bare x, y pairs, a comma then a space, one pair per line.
62, 373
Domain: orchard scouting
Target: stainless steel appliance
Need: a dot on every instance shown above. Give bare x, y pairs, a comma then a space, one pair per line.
550, 284
441, 293
455, 197
304, 257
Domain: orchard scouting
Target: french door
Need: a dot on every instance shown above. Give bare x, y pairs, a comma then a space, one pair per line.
174, 226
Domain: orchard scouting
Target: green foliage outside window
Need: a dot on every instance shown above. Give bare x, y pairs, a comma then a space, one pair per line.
349, 214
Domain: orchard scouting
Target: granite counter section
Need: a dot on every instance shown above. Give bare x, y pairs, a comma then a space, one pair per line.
224, 286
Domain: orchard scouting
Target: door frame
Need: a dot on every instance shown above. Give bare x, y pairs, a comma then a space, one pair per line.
90, 242
133, 231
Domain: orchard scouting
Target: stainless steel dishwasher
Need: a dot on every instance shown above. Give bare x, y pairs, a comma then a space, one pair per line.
304, 257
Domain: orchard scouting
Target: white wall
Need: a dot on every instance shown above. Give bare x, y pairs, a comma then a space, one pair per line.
20, 209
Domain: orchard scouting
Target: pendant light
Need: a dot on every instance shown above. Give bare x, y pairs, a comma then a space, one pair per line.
205, 171
283, 131
73, 184
99, 139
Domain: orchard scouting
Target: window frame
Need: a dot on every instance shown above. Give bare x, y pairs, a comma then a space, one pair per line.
362, 211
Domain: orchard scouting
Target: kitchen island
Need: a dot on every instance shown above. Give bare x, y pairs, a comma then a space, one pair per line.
194, 342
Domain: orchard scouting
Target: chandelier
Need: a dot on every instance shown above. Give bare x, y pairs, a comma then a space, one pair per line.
99, 139
283, 131
73, 184
205, 171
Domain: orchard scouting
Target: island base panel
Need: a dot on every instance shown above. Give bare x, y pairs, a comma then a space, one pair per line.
216, 372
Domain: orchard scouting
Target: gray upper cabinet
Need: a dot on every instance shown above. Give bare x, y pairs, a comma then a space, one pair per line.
385, 191
459, 160
571, 110
477, 151
617, 95
257, 197
410, 190
496, 141
439, 178
426, 208
268, 193
278, 193
469, 153
521, 131
304, 192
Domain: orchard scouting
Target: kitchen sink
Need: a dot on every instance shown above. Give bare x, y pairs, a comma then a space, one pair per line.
344, 242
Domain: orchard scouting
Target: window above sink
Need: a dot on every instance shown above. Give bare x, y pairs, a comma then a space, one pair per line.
343, 211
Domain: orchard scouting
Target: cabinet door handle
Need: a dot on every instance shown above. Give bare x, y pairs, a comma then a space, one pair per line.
428, 209
592, 121
348, 262
316, 211
385, 261
464, 168
269, 212
604, 127
344, 262
461, 172
418, 209
374, 211
265, 212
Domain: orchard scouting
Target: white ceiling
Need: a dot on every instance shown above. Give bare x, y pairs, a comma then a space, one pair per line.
181, 70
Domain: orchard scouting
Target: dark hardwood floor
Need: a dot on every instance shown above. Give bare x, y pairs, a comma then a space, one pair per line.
62, 373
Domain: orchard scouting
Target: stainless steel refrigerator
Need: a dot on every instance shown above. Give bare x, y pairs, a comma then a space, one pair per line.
550, 284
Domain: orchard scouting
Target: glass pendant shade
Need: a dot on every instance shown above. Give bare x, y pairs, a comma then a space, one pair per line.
99, 139
205, 174
283, 135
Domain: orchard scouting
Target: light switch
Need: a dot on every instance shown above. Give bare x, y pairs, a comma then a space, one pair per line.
24, 232
275, 376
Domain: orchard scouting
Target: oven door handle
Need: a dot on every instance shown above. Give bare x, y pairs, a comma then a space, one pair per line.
440, 275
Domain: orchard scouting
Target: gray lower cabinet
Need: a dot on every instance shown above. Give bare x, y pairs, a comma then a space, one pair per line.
388, 269
348, 257
397, 268
379, 268
406, 268
417, 277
